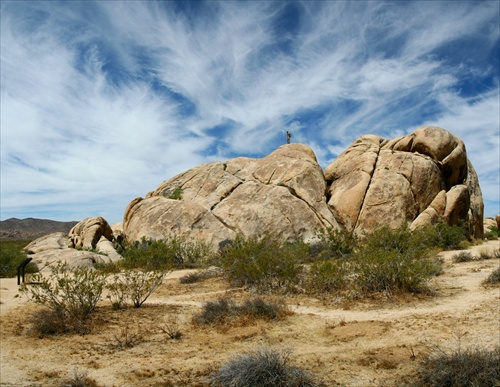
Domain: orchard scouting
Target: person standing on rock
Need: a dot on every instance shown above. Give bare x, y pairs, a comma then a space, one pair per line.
288, 136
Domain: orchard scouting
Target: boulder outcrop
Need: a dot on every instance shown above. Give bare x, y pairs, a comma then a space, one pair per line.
283, 193
87, 233
53, 248
420, 179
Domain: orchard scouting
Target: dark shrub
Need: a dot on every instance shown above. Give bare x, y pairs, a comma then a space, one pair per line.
224, 310
263, 368
463, 256
472, 367
493, 278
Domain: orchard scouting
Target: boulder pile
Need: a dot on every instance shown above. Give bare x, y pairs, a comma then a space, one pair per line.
419, 179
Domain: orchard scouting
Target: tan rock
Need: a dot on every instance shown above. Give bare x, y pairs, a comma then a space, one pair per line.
158, 218
254, 209
283, 193
54, 241
476, 210
107, 248
457, 204
87, 233
489, 223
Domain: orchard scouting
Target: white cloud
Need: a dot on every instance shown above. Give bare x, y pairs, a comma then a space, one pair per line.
101, 101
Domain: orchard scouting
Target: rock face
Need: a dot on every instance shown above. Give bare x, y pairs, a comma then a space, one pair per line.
87, 233
52, 248
282, 193
419, 179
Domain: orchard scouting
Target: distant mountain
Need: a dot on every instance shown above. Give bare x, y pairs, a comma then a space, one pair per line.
31, 228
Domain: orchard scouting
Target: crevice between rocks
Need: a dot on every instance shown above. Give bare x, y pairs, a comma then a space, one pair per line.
356, 223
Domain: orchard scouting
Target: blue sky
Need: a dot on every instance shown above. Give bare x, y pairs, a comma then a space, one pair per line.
102, 101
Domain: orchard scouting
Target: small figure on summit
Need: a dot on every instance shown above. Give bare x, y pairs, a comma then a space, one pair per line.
288, 136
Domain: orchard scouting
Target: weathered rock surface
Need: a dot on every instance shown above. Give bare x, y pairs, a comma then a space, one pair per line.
53, 248
87, 233
420, 179
282, 193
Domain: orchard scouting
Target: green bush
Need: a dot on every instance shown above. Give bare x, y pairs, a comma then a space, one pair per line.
328, 276
492, 234
447, 237
333, 243
11, 256
394, 260
71, 294
134, 285
263, 368
263, 262
176, 252
472, 367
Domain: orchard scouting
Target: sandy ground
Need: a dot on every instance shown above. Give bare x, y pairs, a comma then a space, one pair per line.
377, 342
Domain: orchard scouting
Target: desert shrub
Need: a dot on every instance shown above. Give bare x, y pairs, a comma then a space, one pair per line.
79, 379
11, 256
394, 260
328, 276
134, 285
485, 253
444, 236
48, 322
463, 256
263, 262
332, 243
198, 276
72, 295
176, 252
493, 278
492, 234
225, 309
471, 367
264, 368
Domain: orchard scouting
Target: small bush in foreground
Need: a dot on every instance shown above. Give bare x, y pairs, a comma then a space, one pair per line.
472, 367
224, 310
265, 263
493, 278
71, 294
263, 368
135, 285
79, 379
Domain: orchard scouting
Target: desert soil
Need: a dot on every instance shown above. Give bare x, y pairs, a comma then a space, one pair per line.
376, 342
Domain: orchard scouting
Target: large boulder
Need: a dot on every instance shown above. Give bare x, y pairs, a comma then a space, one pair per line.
53, 248
419, 179
88, 232
283, 193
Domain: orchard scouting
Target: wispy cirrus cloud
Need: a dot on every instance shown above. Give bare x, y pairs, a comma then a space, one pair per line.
103, 100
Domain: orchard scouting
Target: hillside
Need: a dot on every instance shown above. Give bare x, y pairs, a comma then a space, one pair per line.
31, 228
